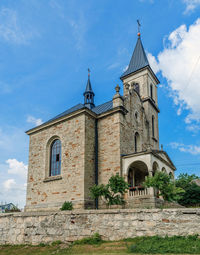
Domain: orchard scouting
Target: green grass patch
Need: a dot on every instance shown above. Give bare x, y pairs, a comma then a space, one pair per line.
95, 239
95, 245
165, 245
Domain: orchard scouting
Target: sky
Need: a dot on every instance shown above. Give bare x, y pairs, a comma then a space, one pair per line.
47, 46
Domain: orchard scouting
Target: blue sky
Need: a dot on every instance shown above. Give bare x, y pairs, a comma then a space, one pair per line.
45, 50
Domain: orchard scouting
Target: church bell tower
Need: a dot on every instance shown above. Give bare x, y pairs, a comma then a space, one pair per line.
140, 77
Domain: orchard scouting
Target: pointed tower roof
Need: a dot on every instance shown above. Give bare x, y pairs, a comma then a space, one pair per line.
138, 60
89, 94
88, 86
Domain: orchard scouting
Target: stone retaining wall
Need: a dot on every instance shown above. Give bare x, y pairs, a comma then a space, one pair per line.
36, 227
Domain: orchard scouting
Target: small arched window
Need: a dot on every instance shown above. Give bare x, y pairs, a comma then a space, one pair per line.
55, 163
136, 87
151, 91
137, 141
153, 131
136, 115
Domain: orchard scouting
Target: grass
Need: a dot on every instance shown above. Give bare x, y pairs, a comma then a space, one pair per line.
94, 246
165, 245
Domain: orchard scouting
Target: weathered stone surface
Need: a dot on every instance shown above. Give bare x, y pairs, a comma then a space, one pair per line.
36, 227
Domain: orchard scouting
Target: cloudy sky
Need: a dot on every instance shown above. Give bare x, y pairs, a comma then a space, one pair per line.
45, 50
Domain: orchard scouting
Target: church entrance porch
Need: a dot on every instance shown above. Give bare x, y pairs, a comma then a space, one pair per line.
135, 168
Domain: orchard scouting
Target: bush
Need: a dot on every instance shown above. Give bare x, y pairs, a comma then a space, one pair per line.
191, 197
113, 192
166, 186
184, 180
95, 239
55, 243
67, 206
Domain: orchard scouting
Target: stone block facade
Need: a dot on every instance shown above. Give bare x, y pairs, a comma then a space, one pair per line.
120, 136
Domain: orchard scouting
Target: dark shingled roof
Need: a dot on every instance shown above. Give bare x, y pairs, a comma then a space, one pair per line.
139, 59
70, 110
88, 86
98, 110
103, 107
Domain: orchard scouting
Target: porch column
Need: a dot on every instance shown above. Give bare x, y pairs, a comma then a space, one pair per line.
150, 173
133, 178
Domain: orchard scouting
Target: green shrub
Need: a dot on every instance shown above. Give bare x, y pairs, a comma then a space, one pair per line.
166, 186
113, 192
41, 244
184, 180
67, 206
191, 197
56, 243
95, 239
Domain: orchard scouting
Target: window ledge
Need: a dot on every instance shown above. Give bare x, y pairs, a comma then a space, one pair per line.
52, 178
154, 139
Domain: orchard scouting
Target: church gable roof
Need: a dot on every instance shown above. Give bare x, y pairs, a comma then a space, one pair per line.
138, 60
98, 110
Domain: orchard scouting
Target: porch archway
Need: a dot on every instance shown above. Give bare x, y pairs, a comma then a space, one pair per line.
137, 172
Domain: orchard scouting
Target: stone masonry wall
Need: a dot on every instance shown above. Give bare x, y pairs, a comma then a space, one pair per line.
44, 191
89, 172
37, 227
109, 158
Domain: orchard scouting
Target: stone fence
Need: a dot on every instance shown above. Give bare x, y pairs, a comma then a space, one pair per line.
37, 227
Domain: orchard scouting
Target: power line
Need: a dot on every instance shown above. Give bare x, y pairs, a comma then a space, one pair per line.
189, 164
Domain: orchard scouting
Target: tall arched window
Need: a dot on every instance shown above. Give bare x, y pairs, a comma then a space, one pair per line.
153, 131
151, 91
137, 137
55, 164
136, 87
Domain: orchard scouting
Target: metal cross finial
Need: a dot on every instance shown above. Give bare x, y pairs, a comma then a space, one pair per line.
89, 71
139, 25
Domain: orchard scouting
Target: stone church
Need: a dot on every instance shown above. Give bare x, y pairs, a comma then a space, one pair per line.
88, 143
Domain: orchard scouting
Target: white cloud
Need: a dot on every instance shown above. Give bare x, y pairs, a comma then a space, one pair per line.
16, 167
153, 63
34, 120
113, 66
192, 149
11, 30
8, 184
75, 19
125, 68
191, 5
13, 189
193, 128
179, 63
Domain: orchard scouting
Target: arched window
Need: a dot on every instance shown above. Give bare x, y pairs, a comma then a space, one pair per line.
136, 87
55, 163
151, 91
136, 115
153, 131
137, 137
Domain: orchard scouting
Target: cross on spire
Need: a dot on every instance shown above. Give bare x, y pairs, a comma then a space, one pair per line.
139, 25
89, 72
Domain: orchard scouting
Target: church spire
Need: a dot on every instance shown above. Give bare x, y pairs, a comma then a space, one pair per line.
89, 94
139, 59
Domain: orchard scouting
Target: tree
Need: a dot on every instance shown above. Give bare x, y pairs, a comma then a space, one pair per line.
184, 180
166, 186
113, 192
191, 196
